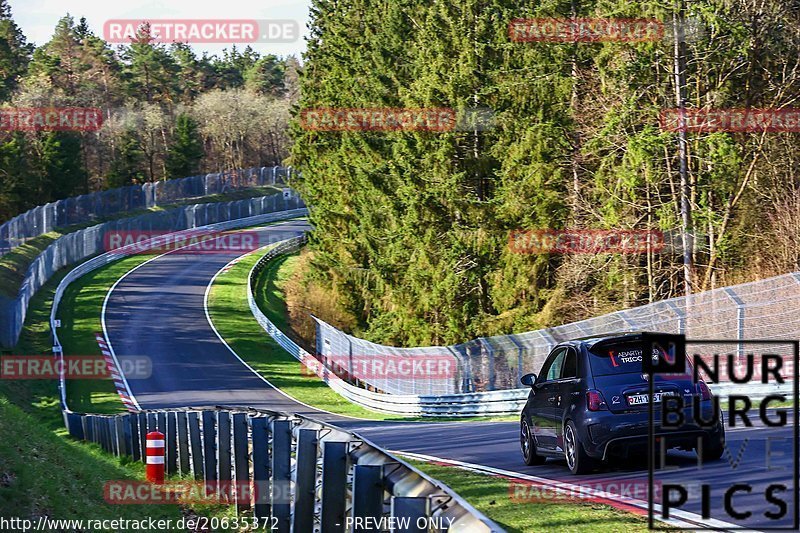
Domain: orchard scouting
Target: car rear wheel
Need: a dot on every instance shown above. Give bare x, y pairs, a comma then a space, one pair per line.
577, 460
528, 445
714, 446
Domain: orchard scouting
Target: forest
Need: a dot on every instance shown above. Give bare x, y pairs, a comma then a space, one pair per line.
167, 112
411, 240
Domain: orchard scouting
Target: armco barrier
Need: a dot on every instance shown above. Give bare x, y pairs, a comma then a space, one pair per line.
305, 475
506, 402
90, 207
79, 245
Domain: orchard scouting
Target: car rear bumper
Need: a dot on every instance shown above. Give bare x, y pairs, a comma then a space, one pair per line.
607, 434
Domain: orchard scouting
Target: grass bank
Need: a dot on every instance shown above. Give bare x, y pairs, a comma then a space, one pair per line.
492, 496
44, 473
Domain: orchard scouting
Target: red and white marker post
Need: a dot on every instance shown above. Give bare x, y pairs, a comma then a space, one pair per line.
154, 468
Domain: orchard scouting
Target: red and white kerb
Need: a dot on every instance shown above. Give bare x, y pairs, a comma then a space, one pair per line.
115, 375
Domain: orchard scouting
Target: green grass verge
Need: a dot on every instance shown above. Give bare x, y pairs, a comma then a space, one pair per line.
43, 472
80, 319
491, 495
14, 264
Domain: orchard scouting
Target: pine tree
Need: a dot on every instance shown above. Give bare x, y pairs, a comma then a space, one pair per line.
266, 76
127, 164
15, 52
61, 163
186, 151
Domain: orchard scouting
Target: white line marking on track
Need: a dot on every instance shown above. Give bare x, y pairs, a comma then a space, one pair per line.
114, 286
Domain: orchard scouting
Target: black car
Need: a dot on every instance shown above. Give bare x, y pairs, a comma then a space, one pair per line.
590, 404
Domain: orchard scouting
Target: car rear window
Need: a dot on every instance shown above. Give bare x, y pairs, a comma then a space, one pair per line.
618, 359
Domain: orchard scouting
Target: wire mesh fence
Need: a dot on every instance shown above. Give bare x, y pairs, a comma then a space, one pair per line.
91, 207
81, 244
764, 309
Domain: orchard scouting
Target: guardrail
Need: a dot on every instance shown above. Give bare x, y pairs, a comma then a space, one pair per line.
504, 402
305, 475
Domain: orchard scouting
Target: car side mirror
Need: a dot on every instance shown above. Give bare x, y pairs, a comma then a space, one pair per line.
528, 380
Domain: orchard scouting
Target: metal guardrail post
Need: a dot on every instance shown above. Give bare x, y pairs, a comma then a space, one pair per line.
305, 481
634, 326
85, 427
491, 363
135, 446
112, 434
520, 351
281, 496
107, 435
739, 319
410, 510
368, 493
142, 418
334, 479
183, 443
119, 430
681, 316
549, 339
196, 445
224, 451
74, 425
241, 460
260, 467
209, 446
171, 437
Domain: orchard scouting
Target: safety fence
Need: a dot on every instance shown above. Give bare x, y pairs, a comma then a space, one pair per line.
84, 243
486, 379
89, 207
292, 473
765, 309
350, 386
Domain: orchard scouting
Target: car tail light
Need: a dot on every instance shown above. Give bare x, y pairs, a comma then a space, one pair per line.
595, 401
704, 390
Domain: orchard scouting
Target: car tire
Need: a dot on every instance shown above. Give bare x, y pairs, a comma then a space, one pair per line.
714, 446
528, 445
577, 459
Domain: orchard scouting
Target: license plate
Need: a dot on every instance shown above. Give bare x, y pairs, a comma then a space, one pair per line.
641, 399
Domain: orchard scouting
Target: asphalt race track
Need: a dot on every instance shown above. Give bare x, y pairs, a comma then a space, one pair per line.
157, 311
